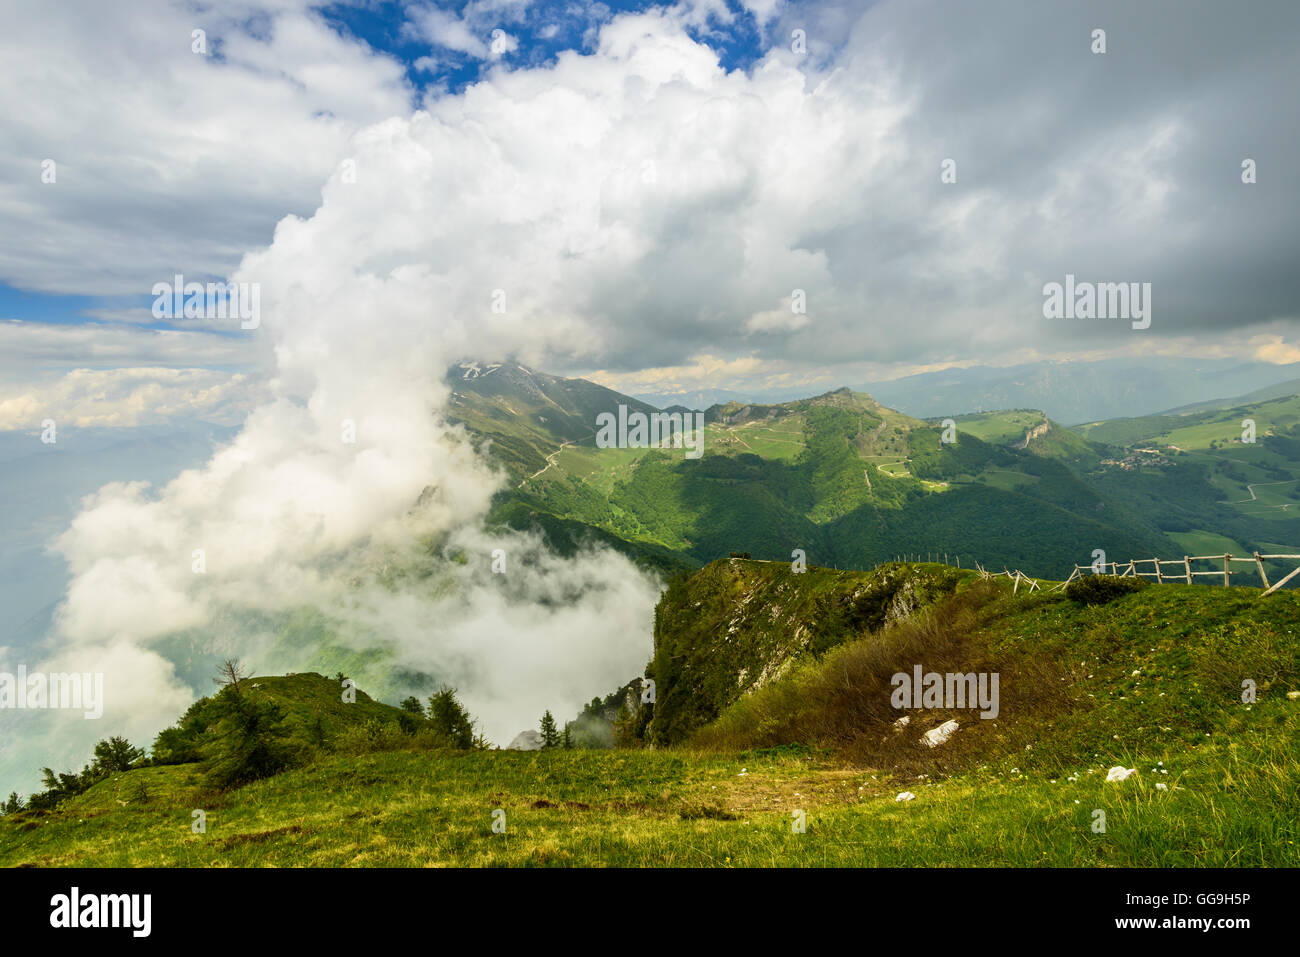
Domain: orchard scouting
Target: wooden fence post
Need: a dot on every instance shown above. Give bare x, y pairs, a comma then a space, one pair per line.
1283, 581
1259, 563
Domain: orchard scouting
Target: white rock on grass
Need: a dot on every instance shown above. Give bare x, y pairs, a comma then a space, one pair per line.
1119, 773
902, 722
1293, 695
937, 736
906, 796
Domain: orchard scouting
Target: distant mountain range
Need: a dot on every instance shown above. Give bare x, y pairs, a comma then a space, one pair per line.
1073, 392
1068, 392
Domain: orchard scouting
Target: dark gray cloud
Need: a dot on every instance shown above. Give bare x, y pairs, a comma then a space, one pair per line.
1122, 166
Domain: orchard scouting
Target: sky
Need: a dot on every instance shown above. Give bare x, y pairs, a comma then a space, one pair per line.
698, 195
651, 185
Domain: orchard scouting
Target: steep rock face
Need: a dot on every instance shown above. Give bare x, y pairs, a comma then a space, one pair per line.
737, 625
1036, 432
737, 413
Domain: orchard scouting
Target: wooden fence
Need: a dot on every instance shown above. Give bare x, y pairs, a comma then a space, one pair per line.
1162, 570
1019, 577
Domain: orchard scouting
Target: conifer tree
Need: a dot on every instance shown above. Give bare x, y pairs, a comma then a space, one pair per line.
550, 734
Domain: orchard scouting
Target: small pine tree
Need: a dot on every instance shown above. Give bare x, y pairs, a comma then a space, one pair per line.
450, 717
13, 805
411, 705
550, 734
249, 741
115, 754
568, 739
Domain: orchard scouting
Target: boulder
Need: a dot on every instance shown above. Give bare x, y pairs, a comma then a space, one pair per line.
526, 741
937, 736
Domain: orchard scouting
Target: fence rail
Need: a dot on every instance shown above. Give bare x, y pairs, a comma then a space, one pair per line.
1131, 569
1017, 576
1160, 570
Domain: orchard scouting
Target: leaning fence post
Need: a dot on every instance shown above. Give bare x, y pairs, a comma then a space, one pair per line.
1187, 566
1282, 581
1226, 558
1259, 563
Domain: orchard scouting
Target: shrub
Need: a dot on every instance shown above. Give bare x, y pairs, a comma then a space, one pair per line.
371, 735
249, 741
136, 791
843, 700
180, 744
1100, 589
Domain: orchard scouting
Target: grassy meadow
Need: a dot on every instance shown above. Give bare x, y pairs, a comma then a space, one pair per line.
1150, 681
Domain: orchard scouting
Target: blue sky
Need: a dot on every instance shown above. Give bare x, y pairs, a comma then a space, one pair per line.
383, 25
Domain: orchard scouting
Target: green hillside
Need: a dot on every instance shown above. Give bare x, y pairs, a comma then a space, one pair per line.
526, 415
1195, 473
1031, 430
736, 625
1150, 681
1161, 667
841, 476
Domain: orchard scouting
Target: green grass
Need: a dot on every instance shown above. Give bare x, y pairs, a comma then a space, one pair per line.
1201, 542
1000, 428
782, 440
1229, 803
1006, 479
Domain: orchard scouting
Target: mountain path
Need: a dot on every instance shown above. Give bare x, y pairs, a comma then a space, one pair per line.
550, 460
1251, 489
